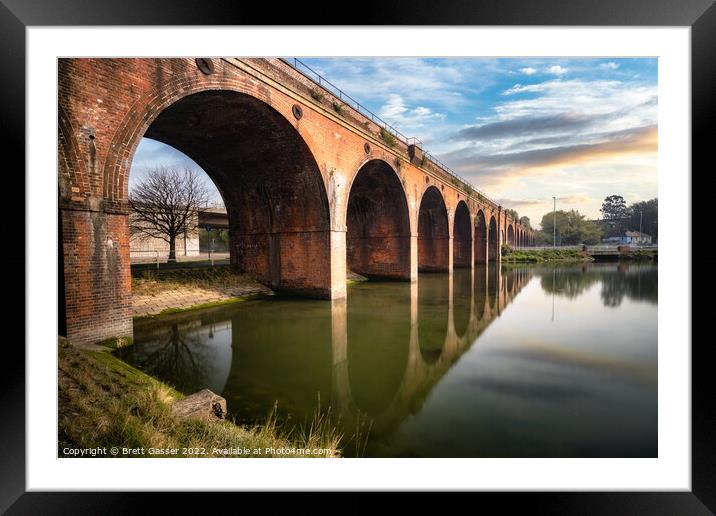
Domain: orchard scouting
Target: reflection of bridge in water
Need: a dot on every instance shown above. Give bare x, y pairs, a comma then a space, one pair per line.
376, 355
490, 291
386, 355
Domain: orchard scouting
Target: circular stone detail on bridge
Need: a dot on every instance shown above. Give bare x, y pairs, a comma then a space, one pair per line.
297, 111
205, 64
366, 147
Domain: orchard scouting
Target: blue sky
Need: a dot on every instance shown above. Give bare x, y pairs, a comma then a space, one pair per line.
521, 130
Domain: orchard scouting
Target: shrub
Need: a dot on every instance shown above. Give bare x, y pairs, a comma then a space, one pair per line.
388, 138
317, 95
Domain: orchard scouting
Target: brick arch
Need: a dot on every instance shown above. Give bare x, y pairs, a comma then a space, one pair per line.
480, 252
275, 195
510, 235
378, 222
462, 236
433, 232
493, 242
145, 109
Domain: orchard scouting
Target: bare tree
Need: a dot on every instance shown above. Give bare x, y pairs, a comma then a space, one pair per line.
165, 204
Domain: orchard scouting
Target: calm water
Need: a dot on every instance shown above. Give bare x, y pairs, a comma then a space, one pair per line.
516, 362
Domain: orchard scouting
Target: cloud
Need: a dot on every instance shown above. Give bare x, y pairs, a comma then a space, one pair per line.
397, 113
508, 165
611, 65
526, 125
447, 83
556, 70
528, 70
577, 199
519, 203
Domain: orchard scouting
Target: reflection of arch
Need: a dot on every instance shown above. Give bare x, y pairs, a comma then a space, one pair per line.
462, 297
433, 232
462, 237
190, 355
377, 365
270, 182
480, 238
378, 226
480, 292
433, 316
492, 286
493, 251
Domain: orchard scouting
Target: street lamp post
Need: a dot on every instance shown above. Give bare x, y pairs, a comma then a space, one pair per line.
554, 223
641, 212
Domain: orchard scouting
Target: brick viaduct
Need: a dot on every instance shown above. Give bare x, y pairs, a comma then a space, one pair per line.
311, 186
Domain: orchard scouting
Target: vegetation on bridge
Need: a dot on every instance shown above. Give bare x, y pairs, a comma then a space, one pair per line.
104, 402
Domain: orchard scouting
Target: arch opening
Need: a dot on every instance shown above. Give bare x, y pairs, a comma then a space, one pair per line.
462, 237
275, 198
433, 233
510, 235
480, 238
493, 251
378, 225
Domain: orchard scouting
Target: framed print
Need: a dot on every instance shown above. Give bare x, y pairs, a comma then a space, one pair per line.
380, 250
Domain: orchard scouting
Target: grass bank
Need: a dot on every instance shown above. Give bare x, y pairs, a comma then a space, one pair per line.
641, 255
104, 403
510, 255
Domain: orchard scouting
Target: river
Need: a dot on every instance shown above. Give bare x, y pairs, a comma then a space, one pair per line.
502, 361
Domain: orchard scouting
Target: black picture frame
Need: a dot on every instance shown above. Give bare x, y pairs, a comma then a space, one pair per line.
700, 15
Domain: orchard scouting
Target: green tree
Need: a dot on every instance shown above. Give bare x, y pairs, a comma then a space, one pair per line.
572, 228
525, 221
615, 214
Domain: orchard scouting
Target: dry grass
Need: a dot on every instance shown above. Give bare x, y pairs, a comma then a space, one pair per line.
104, 402
211, 278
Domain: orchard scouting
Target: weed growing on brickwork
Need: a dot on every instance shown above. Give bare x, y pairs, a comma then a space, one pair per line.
387, 137
317, 95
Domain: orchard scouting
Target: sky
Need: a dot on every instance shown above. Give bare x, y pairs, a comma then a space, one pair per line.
522, 130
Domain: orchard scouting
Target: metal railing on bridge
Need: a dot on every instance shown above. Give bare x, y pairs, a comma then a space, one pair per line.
314, 76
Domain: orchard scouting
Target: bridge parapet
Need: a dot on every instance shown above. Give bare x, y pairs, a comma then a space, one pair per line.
325, 94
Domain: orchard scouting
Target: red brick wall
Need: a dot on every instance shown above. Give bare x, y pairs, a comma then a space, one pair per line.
97, 279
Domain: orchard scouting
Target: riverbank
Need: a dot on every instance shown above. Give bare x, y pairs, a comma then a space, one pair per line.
165, 292
510, 255
161, 292
105, 403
